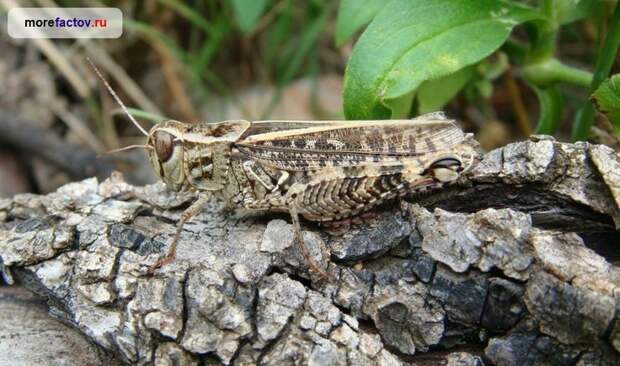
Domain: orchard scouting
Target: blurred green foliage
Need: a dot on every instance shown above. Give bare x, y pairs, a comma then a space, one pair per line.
275, 41
408, 56
425, 48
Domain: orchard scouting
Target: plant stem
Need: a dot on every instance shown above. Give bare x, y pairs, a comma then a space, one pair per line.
551, 71
550, 101
604, 62
544, 44
517, 103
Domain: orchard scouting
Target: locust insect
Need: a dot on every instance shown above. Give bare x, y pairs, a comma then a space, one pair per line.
319, 170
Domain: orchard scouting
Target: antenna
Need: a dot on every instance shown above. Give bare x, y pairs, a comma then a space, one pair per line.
130, 147
118, 100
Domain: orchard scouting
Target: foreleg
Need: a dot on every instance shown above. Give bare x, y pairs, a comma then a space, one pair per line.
190, 212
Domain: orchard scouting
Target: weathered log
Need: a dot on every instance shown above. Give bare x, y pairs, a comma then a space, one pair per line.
515, 265
29, 336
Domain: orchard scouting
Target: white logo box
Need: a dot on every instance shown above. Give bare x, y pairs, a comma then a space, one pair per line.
65, 23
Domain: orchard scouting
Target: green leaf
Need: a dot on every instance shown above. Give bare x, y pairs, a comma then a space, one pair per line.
247, 13
401, 106
434, 94
550, 100
607, 98
411, 41
354, 14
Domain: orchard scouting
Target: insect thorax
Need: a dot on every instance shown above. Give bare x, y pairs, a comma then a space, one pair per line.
207, 166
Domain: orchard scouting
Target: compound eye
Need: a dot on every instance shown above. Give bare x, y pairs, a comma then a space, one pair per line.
163, 145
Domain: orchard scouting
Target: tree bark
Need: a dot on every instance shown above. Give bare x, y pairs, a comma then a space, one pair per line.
514, 265
29, 336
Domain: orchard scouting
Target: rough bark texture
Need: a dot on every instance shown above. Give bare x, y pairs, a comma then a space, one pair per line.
29, 336
515, 265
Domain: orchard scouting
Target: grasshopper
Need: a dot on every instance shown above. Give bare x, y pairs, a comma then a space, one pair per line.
319, 170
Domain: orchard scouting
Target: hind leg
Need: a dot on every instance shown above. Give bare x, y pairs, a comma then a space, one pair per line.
299, 239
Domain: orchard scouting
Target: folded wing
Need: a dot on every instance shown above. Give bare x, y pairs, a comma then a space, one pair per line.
315, 145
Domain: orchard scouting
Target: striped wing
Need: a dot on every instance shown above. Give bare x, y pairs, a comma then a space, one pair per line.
347, 143
263, 127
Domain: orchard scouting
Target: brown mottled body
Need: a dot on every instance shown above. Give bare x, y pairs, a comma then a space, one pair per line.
323, 171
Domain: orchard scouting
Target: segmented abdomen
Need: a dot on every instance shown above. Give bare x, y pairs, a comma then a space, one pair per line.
337, 199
